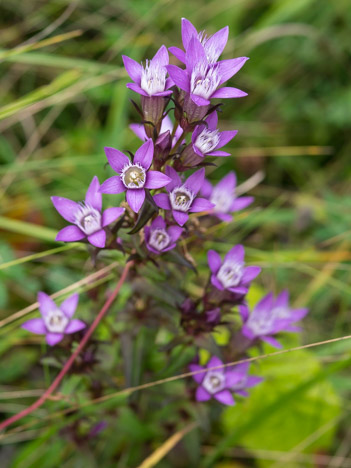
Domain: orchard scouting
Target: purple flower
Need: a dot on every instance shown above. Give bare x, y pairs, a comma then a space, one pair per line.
201, 80
158, 238
134, 176
56, 321
181, 197
269, 317
87, 219
151, 79
206, 139
231, 274
223, 197
166, 126
213, 45
220, 383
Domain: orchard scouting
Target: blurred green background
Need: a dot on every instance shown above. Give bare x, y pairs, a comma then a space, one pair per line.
62, 98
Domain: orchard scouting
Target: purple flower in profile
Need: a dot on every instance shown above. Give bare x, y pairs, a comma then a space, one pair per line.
213, 45
166, 126
207, 139
134, 176
220, 383
158, 238
149, 80
201, 80
269, 317
87, 219
181, 197
56, 321
223, 197
232, 274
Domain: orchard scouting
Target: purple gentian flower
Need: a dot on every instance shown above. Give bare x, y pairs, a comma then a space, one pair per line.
206, 139
213, 45
166, 126
181, 197
158, 238
134, 176
223, 197
231, 274
269, 317
87, 219
56, 321
201, 80
149, 80
220, 383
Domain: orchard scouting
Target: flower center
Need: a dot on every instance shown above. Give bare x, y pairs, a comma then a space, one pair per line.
222, 200
230, 274
88, 219
280, 312
207, 141
204, 80
214, 381
261, 324
181, 199
133, 176
153, 78
159, 239
55, 321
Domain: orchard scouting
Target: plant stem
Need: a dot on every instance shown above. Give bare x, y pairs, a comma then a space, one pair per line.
71, 360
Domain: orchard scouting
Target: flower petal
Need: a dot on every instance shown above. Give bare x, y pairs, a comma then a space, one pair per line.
241, 203
74, 326
219, 153
156, 179
227, 184
70, 234
69, 305
159, 223
67, 208
199, 101
180, 77
135, 199
180, 217
144, 154
188, 31
93, 197
236, 254
139, 131
161, 57
227, 93
35, 325
202, 394
225, 397
200, 376
271, 341
225, 137
162, 201
214, 261
250, 273
111, 214
134, 69
206, 189
46, 304
195, 181
98, 239
136, 88
112, 185
195, 53
215, 362
53, 338
176, 180
116, 159
212, 121
216, 283
217, 42
175, 232
201, 204
178, 53
228, 68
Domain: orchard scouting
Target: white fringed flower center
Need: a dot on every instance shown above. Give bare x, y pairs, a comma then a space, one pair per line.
207, 141
181, 199
159, 239
88, 219
230, 274
214, 381
281, 312
153, 78
222, 200
260, 324
204, 80
211, 50
133, 176
55, 321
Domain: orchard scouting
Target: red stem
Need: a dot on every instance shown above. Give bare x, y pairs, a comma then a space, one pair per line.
71, 360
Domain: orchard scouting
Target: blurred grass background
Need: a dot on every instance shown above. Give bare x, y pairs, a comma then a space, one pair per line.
63, 97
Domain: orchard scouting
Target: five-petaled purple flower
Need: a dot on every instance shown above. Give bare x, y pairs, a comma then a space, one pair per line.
181, 197
223, 197
220, 383
201, 80
149, 80
231, 274
207, 139
134, 176
159, 238
213, 45
87, 219
56, 321
269, 317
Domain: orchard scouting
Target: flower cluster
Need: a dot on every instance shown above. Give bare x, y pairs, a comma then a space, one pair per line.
169, 202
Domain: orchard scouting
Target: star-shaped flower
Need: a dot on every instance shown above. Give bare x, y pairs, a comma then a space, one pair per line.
159, 238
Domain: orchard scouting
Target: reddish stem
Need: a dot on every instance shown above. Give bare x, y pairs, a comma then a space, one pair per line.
72, 358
